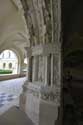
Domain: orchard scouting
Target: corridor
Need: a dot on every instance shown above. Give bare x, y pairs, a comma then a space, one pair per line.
9, 93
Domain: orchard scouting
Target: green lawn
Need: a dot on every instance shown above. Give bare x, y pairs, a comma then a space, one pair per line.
5, 71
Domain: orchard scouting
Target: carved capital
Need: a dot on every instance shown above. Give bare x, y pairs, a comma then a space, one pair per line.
45, 49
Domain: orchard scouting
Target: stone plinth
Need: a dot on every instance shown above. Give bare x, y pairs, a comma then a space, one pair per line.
42, 103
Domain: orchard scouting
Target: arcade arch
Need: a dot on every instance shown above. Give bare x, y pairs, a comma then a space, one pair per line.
9, 61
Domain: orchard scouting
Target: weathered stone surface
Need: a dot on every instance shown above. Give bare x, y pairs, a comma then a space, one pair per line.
42, 103
43, 96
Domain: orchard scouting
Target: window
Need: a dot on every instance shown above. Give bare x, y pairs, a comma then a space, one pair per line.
4, 65
10, 65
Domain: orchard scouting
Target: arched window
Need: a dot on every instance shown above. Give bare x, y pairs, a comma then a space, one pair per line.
10, 58
4, 65
10, 65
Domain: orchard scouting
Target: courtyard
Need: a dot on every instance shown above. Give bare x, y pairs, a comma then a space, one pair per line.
10, 91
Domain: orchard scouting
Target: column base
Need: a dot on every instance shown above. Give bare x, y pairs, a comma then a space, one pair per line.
40, 103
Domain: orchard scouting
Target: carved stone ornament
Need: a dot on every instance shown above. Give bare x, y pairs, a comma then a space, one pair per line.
42, 50
44, 92
50, 94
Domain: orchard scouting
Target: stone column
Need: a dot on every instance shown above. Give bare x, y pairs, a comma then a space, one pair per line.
29, 72
21, 67
23, 96
56, 39
47, 70
52, 70
56, 65
35, 68
29, 65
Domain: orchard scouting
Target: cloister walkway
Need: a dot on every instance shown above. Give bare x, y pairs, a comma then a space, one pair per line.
9, 93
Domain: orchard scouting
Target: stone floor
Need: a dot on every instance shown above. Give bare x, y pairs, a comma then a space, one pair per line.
15, 116
9, 93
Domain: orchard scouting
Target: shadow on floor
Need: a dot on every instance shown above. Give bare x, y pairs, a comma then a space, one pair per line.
14, 116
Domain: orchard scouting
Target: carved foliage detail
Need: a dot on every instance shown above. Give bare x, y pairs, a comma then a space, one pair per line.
47, 20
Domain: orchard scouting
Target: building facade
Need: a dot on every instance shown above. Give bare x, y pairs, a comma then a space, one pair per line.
9, 61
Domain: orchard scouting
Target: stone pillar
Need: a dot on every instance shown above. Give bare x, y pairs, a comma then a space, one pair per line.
47, 70
57, 66
29, 70
29, 65
23, 96
21, 67
35, 68
41, 103
56, 39
52, 70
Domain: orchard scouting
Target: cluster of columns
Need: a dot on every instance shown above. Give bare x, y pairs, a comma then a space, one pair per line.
32, 71
50, 70
43, 67
50, 78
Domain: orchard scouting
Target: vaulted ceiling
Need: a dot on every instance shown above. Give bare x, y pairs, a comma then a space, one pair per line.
13, 30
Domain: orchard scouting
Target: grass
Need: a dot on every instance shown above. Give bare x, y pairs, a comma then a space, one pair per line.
2, 71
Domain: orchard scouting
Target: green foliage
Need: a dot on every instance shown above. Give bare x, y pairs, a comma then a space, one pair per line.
5, 71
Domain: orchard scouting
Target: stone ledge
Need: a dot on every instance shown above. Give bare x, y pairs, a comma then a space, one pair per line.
43, 92
42, 50
7, 77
